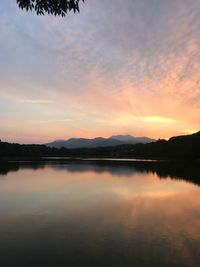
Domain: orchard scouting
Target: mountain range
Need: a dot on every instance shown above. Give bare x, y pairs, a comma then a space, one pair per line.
186, 147
114, 140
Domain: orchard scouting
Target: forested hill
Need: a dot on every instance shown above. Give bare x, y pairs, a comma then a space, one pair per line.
186, 146
180, 147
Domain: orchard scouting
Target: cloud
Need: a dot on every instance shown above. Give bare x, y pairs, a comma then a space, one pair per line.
130, 67
36, 101
67, 120
158, 119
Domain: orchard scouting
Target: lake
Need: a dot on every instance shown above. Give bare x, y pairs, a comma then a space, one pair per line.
97, 213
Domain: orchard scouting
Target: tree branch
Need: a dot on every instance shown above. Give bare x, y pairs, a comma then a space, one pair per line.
54, 7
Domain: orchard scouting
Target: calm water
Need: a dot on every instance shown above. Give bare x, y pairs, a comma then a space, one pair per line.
99, 214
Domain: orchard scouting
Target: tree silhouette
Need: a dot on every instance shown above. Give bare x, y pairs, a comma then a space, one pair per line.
55, 7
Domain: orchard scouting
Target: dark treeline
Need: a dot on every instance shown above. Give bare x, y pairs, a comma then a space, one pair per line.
181, 147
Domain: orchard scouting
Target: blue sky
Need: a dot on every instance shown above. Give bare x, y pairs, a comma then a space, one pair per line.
118, 67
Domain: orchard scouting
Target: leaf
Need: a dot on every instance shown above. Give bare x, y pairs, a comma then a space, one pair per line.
56, 7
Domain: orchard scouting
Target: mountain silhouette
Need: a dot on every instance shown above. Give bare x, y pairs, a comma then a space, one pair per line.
114, 140
179, 148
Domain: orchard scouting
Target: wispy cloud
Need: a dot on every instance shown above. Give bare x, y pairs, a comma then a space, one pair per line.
158, 119
67, 120
130, 67
36, 101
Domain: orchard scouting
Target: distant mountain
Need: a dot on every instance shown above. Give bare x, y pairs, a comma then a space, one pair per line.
176, 148
99, 142
129, 139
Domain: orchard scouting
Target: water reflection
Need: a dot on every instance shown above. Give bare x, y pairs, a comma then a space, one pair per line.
188, 171
98, 214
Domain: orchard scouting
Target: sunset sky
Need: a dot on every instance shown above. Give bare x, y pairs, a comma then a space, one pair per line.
118, 67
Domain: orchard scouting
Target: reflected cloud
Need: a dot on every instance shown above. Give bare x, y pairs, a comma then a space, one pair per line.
69, 206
